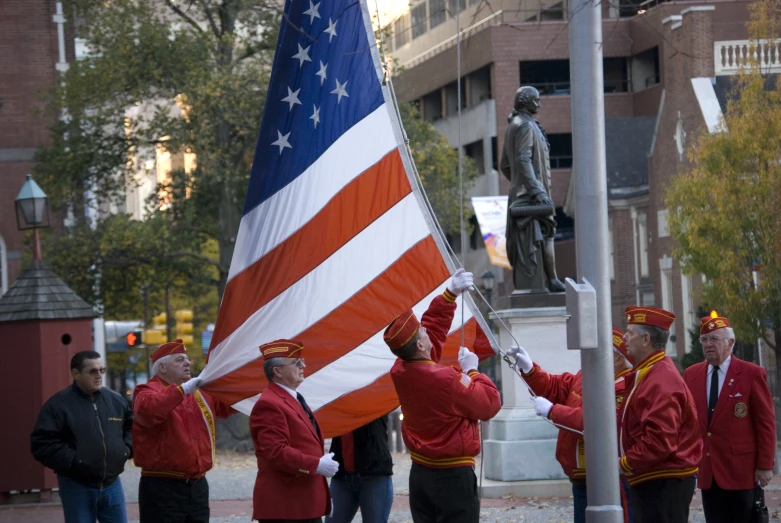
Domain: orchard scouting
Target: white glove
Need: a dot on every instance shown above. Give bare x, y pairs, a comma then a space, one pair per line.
522, 359
460, 282
191, 385
542, 406
327, 466
467, 360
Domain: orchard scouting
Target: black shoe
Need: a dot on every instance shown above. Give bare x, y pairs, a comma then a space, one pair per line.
556, 286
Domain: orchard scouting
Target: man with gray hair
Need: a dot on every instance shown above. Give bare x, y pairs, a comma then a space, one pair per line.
291, 483
174, 440
737, 423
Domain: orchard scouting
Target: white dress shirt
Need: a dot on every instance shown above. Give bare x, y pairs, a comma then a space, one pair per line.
723, 368
295, 394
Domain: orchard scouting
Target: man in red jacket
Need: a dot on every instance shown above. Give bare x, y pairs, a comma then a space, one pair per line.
174, 440
737, 424
658, 433
291, 484
559, 398
441, 407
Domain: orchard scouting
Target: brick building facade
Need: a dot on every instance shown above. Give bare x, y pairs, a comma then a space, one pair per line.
661, 76
29, 61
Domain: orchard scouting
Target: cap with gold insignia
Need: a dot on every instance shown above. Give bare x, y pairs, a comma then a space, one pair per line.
166, 349
710, 324
282, 349
620, 345
401, 330
650, 316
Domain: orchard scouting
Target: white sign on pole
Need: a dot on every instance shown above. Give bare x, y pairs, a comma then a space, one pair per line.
491, 213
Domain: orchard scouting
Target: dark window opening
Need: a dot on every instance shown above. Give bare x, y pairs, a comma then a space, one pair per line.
436, 9
644, 69
418, 20
550, 77
480, 86
560, 150
552, 13
616, 75
475, 151
432, 106
495, 153
476, 237
401, 35
565, 226
457, 4
451, 98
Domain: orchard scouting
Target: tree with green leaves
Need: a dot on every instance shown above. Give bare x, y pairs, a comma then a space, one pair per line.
175, 77
727, 221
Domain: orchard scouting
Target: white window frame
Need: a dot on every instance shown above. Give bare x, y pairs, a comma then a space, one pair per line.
666, 280
688, 310
642, 235
3, 266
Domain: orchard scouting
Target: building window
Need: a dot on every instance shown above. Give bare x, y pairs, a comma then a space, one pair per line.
432, 106
642, 236
459, 5
436, 9
451, 98
549, 77
689, 311
3, 266
401, 35
661, 223
565, 225
665, 266
611, 248
644, 69
560, 150
480, 86
475, 151
616, 75
418, 20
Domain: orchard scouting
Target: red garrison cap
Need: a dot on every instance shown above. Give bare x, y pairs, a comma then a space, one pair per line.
620, 345
282, 349
649, 316
401, 330
709, 324
174, 347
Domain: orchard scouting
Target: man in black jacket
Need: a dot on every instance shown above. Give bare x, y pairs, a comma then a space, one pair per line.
364, 476
83, 434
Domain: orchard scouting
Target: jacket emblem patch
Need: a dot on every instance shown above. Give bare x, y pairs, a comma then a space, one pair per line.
741, 410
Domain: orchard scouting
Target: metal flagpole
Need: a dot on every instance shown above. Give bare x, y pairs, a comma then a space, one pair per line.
588, 141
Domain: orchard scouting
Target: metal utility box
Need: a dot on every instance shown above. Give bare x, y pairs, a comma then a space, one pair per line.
581, 315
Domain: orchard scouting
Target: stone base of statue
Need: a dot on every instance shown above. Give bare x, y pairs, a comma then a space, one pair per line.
519, 450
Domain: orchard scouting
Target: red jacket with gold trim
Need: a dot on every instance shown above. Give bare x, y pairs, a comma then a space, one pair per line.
659, 432
440, 404
171, 432
742, 432
288, 450
566, 392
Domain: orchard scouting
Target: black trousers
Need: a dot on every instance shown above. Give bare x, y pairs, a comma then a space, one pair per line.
164, 500
663, 500
727, 506
443, 495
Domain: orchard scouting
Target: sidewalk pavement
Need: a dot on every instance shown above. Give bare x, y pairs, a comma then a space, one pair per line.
232, 479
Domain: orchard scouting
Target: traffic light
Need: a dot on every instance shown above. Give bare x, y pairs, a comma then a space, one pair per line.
184, 326
133, 338
158, 334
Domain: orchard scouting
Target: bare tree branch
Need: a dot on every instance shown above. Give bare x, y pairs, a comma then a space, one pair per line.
184, 16
216, 30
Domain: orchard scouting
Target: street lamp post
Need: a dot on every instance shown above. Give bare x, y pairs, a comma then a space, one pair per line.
488, 285
32, 212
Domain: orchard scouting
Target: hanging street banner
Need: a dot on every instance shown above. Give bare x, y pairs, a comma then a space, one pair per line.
491, 213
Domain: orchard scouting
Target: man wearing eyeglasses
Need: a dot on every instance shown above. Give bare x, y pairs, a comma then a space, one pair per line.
174, 434
659, 438
291, 483
737, 424
83, 433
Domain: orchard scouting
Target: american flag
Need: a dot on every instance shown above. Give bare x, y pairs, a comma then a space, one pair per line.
335, 240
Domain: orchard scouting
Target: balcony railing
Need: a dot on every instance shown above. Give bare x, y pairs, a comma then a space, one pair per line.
732, 55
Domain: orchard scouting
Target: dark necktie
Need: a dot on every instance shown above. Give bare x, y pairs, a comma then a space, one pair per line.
714, 392
308, 412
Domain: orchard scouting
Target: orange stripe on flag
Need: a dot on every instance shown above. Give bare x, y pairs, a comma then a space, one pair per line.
410, 279
354, 208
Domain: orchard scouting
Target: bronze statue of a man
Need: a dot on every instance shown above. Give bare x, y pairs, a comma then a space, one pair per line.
530, 211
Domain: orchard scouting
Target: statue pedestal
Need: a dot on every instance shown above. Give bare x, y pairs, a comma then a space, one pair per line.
519, 450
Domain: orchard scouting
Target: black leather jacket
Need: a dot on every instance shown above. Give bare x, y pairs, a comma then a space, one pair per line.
86, 439
372, 456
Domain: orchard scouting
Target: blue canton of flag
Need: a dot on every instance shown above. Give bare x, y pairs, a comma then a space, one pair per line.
323, 82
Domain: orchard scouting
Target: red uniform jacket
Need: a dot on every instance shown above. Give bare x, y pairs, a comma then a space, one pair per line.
173, 434
659, 432
288, 450
566, 391
742, 433
441, 405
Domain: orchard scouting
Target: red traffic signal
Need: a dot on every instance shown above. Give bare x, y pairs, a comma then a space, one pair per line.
132, 339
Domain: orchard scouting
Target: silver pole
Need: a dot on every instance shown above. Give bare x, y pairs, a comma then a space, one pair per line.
588, 144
